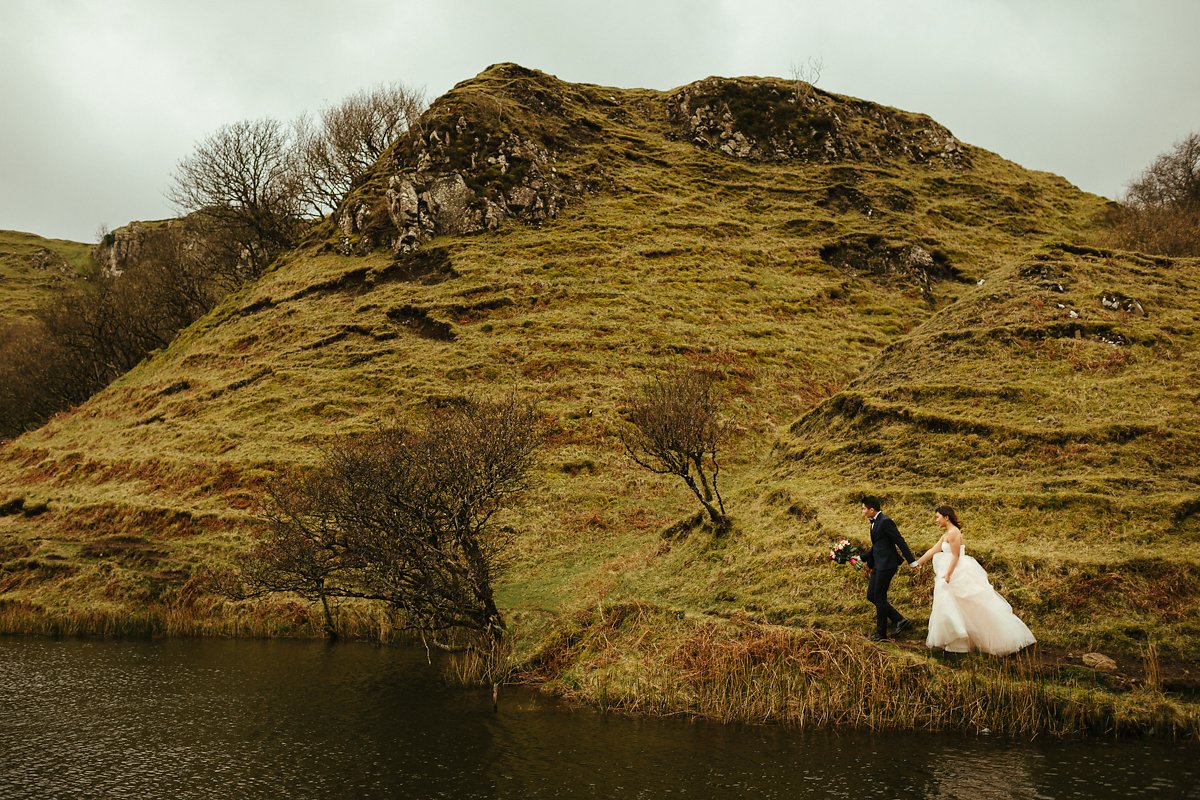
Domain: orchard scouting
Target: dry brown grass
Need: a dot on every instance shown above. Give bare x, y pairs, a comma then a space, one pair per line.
819, 679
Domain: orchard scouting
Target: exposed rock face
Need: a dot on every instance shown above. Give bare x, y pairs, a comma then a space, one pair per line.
872, 255
127, 245
782, 121
455, 179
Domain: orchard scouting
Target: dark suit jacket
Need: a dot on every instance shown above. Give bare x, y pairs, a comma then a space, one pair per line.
886, 545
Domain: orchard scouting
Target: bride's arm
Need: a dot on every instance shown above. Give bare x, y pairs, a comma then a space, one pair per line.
955, 541
931, 552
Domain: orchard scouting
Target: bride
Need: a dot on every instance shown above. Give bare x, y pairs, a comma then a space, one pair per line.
968, 614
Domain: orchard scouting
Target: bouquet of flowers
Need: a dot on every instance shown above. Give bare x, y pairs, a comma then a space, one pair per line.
846, 552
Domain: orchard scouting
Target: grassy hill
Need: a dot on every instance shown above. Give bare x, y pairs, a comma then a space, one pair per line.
893, 311
32, 267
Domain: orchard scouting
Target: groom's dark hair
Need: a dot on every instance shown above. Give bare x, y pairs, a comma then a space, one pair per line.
871, 501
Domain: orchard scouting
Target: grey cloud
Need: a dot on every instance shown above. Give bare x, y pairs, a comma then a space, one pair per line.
102, 99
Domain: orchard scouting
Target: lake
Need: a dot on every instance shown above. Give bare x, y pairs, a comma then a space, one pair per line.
297, 719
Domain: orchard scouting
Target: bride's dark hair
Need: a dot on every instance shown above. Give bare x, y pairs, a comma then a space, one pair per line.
948, 513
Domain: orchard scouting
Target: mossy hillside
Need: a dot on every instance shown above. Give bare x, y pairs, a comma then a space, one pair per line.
678, 255
573, 312
33, 269
1072, 461
1065, 430
730, 269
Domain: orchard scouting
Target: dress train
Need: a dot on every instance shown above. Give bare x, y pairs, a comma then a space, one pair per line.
968, 614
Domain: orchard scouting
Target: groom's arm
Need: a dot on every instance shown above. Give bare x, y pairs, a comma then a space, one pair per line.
894, 534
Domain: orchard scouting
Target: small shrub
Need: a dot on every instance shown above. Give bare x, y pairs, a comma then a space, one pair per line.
674, 428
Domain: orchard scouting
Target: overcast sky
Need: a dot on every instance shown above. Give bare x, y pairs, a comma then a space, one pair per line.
100, 100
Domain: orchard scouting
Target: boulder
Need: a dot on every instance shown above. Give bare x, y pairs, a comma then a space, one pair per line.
1115, 301
1099, 662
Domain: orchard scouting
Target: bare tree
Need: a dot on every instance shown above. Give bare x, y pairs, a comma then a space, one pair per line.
95, 344
107, 326
303, 548
29, 379
805, 76
1161, 209
405, 516
95, 331
674, 428
333, 154
1173, 180
241, 179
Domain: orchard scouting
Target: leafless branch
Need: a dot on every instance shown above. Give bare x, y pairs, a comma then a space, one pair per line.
405, 516
674, 428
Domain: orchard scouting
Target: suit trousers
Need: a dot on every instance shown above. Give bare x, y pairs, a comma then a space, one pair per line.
877, 590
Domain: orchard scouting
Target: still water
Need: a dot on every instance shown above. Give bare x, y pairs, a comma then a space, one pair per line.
247, 719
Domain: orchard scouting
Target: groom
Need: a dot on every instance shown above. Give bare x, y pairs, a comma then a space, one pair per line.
882, 562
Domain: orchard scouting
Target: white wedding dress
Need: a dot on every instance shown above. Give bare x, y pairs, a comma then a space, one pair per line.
968, 614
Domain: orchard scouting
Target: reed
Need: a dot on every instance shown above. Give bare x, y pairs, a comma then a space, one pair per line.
1153, 679
638, 658
818, 679
212, 619
482, 666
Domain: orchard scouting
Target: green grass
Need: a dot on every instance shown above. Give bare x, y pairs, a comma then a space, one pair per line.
1073, 461
33, 269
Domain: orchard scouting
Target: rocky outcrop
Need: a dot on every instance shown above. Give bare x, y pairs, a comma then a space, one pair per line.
436, 198
782, 121
495, 149
465, 168
908, 263
46, 260
130, 244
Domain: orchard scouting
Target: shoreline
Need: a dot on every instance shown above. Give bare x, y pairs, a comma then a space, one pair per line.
638, 659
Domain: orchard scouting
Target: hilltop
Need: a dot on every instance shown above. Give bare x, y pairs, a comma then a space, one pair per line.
893, 310
33, 268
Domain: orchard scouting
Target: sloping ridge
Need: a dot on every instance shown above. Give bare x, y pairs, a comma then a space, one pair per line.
515, 143
566, 240
1056, 407
1052, 373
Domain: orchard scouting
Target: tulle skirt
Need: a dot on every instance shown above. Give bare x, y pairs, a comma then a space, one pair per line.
968, 614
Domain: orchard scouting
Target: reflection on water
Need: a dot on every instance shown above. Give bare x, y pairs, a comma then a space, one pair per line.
185, 719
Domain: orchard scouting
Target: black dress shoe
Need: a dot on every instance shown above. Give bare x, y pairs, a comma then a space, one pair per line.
875, 637
901, 627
